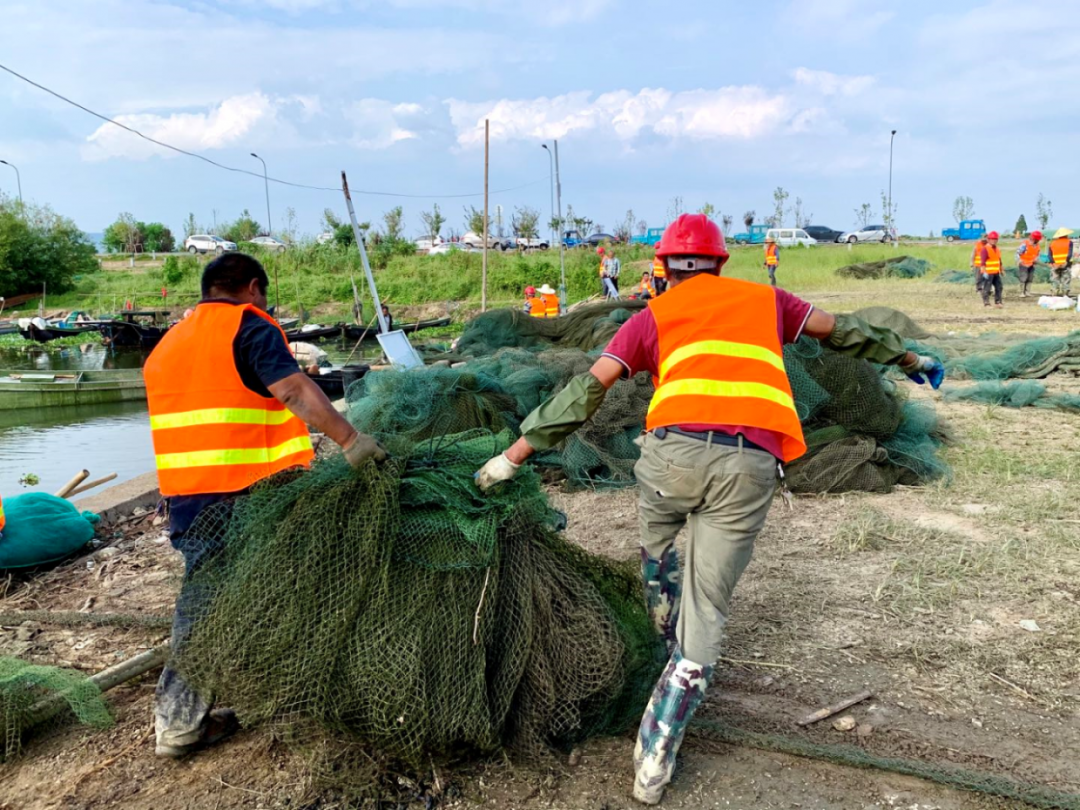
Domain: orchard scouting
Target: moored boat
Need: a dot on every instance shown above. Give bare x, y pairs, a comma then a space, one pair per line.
357, 332
37, 389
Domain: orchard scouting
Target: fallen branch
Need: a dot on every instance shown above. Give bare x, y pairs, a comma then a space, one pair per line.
835, 708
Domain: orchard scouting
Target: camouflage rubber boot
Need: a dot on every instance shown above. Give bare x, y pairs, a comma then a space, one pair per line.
676, 697
663, 589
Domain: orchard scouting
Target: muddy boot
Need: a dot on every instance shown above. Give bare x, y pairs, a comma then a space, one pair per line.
663, 589
676, 697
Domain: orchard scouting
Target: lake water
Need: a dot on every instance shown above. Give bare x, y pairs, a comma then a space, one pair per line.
55, 443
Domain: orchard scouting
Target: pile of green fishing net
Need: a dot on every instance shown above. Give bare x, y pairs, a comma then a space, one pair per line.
33, 696
400, 608
896, 267
1008, 277
1015, 394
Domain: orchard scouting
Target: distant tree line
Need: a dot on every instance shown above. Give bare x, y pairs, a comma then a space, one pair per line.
38, 247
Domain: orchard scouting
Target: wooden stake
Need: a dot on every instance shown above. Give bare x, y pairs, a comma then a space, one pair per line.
835, 708
97, 482
483, 273
65, 490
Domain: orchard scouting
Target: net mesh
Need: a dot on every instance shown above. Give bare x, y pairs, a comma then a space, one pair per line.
897, 267
1014, 394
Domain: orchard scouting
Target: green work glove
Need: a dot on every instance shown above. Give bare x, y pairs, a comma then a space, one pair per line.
856, 338
361, 448
564, 413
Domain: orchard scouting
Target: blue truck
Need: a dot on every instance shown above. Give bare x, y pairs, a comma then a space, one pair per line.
969, 229
651, 237
755, 237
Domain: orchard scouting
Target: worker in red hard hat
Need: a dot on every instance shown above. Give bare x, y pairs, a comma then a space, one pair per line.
721, 419
534, 303
1026, 256
990, 261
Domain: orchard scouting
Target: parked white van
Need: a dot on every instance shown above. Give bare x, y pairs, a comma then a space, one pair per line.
789, 237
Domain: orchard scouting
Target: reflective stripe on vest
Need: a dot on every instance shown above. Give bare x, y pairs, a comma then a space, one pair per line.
537, 307
721, 360
1059, 250
772, 258
211, 433
976, 255
551, 305
658, 269
3, 520
1030, 254
992, 265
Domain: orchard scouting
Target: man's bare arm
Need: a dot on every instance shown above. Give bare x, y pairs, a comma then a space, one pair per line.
305, 399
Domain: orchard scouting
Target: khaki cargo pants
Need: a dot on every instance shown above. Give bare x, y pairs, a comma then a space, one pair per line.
724, 494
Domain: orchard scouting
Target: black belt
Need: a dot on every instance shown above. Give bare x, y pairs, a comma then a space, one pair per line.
712, 437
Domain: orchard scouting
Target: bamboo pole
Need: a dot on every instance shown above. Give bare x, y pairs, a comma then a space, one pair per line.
484, 271
97, 482
66, 489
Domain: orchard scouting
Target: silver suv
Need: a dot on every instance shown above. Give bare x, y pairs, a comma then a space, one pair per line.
204, 243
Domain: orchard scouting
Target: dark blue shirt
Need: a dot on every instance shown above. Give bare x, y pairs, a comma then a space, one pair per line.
262, 358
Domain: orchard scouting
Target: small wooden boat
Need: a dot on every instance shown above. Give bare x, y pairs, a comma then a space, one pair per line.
335, 383
312, 332
54, 331
127, 331
8, 328
356, 332
37, 389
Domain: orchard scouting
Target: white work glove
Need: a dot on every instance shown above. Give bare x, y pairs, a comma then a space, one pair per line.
361, 448
497, 469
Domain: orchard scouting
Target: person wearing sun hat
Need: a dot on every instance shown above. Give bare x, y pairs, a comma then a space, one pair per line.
1061, 254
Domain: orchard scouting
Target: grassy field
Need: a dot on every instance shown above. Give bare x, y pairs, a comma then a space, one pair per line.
320, 279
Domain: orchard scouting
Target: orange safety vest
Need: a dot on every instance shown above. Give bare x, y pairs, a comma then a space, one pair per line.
646, 287
1030, 253
551, 305
1059, 250
772, 256
211, 432
976, 255
3, 520
992, 266
658, 269
537, 306
721, 360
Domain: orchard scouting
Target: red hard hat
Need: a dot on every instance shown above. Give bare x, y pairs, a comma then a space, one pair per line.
530, 290
693, 235
1036, 235
600, 251
993, 235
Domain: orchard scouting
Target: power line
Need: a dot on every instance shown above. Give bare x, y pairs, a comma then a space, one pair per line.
214, 163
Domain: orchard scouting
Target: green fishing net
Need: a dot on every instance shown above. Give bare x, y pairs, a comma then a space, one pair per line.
1013, 394
897, 267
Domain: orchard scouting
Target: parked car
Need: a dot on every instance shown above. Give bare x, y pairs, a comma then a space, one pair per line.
871, 233
532, 243
823, 234
755, 236
206, 243
269, 243
476, 240
428, 244
451, 247
790, 237
324, 238
600, 239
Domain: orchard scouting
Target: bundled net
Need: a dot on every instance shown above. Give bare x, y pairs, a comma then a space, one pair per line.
34, 697
399, 608
897, 267
1014, 394
1009, 276
1004, 357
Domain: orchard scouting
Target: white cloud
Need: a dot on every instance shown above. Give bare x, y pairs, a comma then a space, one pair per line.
727, 112
832, 84
224, 125
380, 124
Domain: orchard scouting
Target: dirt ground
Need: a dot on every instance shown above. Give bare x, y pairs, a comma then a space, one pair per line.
957, 605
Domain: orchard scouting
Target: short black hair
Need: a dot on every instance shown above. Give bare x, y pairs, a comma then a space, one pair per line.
232, 273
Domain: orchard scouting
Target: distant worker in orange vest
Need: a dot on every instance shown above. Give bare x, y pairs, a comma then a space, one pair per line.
551, 301
534, 303
990, 262
772, 258
659, 275
1026, 256
976, 262
645, 289
722, 416
1061, 254
3, 520
229, 406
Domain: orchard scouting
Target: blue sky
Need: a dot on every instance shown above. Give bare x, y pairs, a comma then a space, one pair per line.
711, 101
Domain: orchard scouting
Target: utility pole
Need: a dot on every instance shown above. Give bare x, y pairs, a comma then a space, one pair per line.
483, 272
266, 183
892, 224
551, 177
18, 179
558, 202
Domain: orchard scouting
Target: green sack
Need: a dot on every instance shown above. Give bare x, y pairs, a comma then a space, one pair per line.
42, 528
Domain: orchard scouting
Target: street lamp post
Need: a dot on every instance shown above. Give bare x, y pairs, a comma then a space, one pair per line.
892, 223
18, 178
551, 176
558, 203
266, 183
